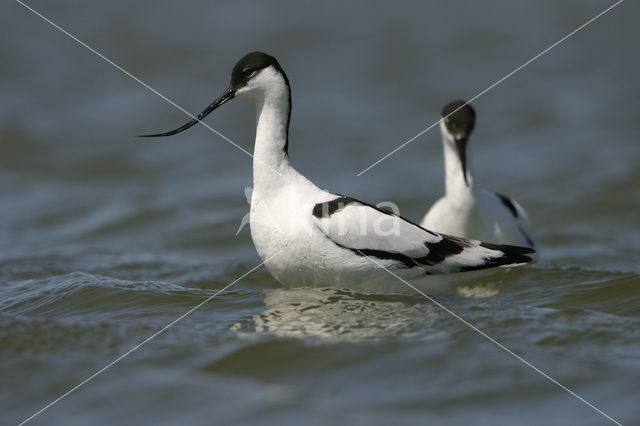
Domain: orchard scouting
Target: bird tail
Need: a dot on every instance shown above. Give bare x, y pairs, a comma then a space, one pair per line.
501, 255
481, 255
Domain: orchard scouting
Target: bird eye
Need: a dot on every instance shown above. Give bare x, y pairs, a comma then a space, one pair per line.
248, 72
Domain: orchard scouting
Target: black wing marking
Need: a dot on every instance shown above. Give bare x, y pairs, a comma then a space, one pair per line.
512, 255
328, 208
437, 252
508, 203
414, 246
526, 236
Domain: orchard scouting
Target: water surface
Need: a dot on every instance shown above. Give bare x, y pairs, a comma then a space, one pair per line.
105, 238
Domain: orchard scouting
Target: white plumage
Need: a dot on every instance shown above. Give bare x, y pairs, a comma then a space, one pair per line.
315, 238
466, 210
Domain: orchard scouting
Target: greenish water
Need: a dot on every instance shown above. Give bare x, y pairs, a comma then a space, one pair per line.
105, 238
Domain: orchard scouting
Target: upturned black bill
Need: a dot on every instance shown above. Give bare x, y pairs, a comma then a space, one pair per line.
226, 96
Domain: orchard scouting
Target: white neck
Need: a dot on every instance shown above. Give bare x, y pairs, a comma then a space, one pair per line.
454, 178
270, 159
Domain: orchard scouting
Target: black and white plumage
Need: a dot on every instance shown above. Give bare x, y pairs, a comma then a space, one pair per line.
400, 243
465, 209
323, 239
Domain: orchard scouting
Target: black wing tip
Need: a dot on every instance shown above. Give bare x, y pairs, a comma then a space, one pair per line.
511, 255
507, 259
509, 250
517, 259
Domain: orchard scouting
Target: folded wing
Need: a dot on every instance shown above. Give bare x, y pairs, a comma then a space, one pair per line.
367, 230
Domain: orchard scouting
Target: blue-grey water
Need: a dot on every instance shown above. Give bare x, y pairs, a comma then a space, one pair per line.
105, 238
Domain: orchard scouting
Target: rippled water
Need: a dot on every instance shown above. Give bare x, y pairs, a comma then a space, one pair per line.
105, 239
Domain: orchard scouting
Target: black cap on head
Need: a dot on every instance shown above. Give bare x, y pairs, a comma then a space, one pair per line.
251, 63
248, 66
242, 72
459, 118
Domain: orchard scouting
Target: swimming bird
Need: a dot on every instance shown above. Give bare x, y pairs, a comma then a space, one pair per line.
466, 210
312, 237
